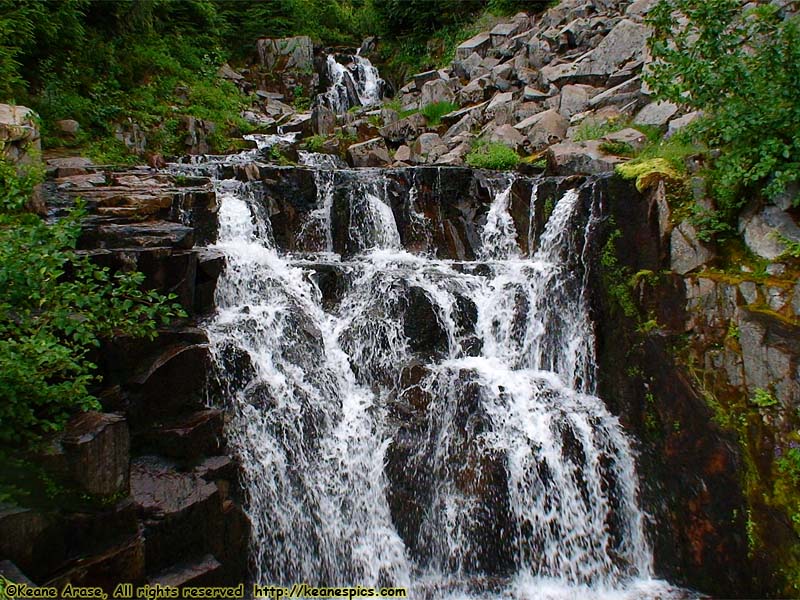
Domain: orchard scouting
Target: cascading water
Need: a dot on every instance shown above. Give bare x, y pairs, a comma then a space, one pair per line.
437, 428
360, 85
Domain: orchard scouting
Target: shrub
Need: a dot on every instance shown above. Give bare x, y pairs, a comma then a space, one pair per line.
741, 68
55, 306
493, 156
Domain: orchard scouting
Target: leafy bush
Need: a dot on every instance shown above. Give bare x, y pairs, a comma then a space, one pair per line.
741, 68
493, 156
55, 305
434, 112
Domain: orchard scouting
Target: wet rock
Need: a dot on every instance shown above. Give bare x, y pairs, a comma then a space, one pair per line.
426, 336
123, 561
372, 153
95, 450
210, 264
30, 539
187, 437
170, 383
200, 573
687, 252
181, 511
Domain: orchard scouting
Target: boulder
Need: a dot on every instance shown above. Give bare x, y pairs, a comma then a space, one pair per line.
285, 54
633, 137
69, 166
404, 129
622, 94
503, 31
544, 128
323, 120
464, 68
420, 79
427, 148
19, 134
466, 124
435, 91
625, 43
478, 44
68, 126
372, 153
508, 136
403, 153
675, 125
586, 158
656, 114
188, 437
764, 231
226, 72
574, 100
474, 92
687, 252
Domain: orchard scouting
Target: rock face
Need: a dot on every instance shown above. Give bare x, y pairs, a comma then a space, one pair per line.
171, 516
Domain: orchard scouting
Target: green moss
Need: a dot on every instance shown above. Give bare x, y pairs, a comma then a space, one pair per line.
648, 172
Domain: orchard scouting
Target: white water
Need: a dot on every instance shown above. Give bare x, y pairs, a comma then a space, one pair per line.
512, 448
360, 85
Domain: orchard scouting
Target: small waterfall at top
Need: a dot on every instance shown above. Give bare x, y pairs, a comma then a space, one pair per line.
436, 426
356, 84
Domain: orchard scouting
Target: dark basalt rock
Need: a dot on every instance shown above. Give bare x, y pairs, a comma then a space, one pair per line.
181, 511
426, 335
187, 437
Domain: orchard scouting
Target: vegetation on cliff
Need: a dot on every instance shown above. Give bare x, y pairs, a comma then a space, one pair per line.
741, 68
55, 306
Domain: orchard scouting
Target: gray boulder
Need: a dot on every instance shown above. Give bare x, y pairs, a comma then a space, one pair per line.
285, 54
764, 231
508, 136
544, 128
656, 114
573, 158
478, 44
372, 153
436, 91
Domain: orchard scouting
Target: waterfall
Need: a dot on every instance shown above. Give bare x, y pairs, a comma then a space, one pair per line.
437, 426
356, 84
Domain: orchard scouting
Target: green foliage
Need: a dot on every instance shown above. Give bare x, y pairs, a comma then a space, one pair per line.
315, 142
764, 398
434, 112
493, 156
55, 306
741, 67
616, 277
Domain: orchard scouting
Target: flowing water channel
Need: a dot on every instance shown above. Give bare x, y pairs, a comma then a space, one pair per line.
433, 424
